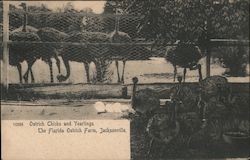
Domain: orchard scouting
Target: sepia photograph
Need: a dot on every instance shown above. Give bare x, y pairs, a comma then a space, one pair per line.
125, 79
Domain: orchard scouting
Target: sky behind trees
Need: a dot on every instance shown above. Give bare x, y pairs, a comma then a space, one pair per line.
97, 6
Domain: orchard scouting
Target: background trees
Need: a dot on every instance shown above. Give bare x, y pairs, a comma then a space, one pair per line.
185, 20
194, 20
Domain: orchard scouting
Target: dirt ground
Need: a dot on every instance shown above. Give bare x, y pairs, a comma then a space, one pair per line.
56, 109
154, 70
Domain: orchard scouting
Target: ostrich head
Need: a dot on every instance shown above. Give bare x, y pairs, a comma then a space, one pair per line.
179, 78
23, 5
135, 80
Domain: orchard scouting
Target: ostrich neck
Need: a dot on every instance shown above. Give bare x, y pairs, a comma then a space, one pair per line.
66, 63
25, 19
133, 94
174, 114
117, 23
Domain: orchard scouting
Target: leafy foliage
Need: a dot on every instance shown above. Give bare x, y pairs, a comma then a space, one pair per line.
235, 59
173, 20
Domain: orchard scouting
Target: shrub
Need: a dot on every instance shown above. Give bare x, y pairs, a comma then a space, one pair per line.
235, 59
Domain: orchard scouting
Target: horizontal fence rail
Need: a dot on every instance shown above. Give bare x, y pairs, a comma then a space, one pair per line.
78, 14
212, 42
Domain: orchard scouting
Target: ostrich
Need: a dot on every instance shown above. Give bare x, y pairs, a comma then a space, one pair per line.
213, 89
184, 128
144, 101
125, 53
173, 125
163, 127
19, 53
119, 37
24, 33
185, 56
84, 54
48, 34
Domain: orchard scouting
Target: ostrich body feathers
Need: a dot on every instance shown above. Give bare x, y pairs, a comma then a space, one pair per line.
127, 52
85, 53
28, 29
183, 55
145, 101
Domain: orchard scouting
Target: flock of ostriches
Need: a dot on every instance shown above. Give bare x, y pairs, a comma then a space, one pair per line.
30, 52
163, 124
185, 56
184, 121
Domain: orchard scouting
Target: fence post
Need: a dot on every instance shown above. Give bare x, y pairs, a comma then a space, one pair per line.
5, 73
208, 48
208, 61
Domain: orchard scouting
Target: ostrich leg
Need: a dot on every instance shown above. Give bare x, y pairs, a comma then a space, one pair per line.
58, 63
86, 65
19, 68
123, 70
175, 72
66, 63
117, 68
26, 75
184, 74
198, 66
51, 70
32, 76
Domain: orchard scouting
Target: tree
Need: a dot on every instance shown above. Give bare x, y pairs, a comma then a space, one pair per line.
128, 22
173, 20
234, 58
64, 19
196, 21
35, 18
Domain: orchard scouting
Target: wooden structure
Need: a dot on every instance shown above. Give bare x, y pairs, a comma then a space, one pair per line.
103, 91
5, 73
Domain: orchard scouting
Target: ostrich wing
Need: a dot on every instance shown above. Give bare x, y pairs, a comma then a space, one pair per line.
48, 34
146, 101
183, 55
28, 29
161, 128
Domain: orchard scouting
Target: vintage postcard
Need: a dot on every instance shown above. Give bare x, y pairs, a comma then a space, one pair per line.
124, 79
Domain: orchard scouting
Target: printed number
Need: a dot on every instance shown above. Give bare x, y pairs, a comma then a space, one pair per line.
18, 123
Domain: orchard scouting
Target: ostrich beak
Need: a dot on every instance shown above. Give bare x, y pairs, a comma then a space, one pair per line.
22, 4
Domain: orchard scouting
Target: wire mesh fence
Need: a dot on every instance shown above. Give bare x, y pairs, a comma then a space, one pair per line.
78, 36
63, 36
